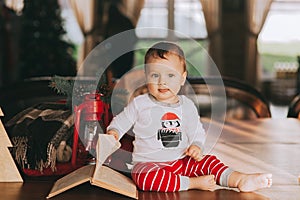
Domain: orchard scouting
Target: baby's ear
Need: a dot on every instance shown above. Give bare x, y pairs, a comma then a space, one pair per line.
184, 75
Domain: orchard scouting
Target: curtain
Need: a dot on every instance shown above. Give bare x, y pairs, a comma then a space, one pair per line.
93, 24
85, 13
132, 9
257, 11
212, 14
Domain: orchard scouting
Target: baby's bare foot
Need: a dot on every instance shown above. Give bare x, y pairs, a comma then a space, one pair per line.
251, 182
203, 183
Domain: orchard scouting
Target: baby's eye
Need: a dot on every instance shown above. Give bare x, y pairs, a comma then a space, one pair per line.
154, 75
171, 75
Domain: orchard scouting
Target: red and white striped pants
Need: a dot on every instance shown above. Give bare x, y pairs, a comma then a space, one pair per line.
165, 176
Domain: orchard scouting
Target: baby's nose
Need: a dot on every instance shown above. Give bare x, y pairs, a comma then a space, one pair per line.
162, 81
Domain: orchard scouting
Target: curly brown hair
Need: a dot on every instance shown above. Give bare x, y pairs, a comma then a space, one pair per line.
160, 49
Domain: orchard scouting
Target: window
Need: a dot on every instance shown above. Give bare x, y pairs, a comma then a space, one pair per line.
154, 15
183, 16
186, 18
189, 18
279, 41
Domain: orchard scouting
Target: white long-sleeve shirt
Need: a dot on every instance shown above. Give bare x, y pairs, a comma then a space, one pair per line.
162, 131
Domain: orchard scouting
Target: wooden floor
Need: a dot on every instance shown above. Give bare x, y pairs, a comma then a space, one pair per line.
33, 190
264, 145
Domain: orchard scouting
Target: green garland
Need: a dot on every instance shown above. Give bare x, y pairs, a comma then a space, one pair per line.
75, 95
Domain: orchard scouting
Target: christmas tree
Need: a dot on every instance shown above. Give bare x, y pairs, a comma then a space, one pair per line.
43, 50
8, 169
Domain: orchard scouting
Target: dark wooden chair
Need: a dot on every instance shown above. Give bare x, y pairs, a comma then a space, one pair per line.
242, 100
294, 107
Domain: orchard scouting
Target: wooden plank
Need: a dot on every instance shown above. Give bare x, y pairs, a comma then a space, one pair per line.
8, 169
259, 130
38, 189
237, 158
264, 145
4, 139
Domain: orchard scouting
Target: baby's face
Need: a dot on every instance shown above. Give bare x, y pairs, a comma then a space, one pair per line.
165, 77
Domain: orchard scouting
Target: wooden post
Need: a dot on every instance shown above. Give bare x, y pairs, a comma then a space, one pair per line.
8, 169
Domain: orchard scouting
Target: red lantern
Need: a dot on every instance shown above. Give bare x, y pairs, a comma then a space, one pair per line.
94, 115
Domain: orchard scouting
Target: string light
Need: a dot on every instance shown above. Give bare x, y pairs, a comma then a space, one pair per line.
16, 5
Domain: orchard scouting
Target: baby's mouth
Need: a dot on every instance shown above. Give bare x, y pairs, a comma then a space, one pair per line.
163, 90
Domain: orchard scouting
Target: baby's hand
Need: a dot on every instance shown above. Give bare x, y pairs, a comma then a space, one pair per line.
113, 133
194, 152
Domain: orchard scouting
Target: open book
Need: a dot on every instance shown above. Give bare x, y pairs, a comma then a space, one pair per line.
98, 175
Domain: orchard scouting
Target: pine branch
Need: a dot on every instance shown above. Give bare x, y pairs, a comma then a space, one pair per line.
61, 85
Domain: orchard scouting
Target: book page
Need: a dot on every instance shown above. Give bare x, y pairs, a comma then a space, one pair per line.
77, 177
110, 179
106, 145
102, 176
106, 177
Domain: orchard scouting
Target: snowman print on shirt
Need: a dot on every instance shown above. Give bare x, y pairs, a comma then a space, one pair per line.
170, 133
